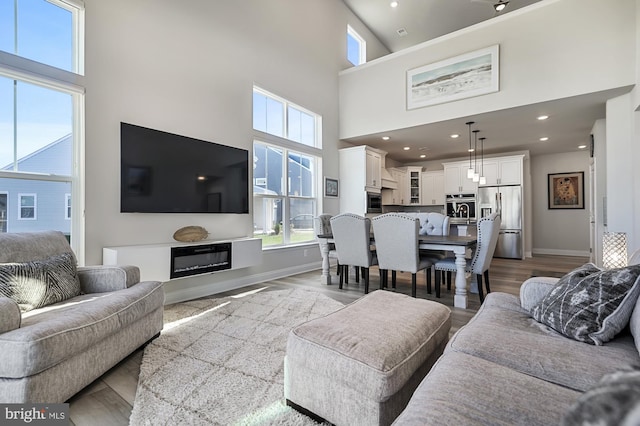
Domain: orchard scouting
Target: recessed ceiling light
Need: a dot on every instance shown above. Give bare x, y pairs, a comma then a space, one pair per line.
582, 146
385, 138
407, 148
393, 4
423, 155
544, 139
542, 117
455, 135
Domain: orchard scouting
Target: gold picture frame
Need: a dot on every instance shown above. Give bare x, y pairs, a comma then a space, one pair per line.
566, 190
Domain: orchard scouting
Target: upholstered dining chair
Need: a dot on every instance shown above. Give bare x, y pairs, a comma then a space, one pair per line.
322, 226
352, 237
488, 230
396, 237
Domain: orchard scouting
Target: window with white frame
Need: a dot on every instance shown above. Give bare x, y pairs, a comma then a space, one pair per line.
356, 47
279, 117
41, 112
27, 204
286, 161
67, 206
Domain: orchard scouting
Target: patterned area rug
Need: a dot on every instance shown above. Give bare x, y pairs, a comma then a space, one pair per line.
221, 361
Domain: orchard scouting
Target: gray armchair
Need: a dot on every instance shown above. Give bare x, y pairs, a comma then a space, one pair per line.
49, 353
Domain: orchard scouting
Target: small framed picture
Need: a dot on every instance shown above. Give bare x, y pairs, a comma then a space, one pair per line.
330, 187
566, 190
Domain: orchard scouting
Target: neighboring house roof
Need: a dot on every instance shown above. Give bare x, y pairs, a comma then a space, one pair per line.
44, 160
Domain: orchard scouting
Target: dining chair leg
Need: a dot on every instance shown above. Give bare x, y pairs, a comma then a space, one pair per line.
413, 285
341, 274
365, 276
480, 291
346, 274
486, 281
439, 275
383, 278
338, 269
449, 280
393, 279
428, 274
357, 274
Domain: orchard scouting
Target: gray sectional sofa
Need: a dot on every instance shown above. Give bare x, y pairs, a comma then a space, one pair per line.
50, 353
506, 368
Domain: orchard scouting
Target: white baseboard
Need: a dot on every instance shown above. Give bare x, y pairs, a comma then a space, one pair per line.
184, 294
577, 253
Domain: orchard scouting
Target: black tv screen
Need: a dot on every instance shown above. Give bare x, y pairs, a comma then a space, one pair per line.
166, 173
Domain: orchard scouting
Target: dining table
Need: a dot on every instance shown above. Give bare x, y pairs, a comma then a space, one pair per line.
457, 244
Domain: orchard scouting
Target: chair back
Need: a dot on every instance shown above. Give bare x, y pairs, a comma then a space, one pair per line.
352, 238
396, 237
437, 224
322, 224
27, 246
488, 230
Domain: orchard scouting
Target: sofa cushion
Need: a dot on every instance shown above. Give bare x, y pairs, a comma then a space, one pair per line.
615, 400
589, 304
57, 332
40, 282
504, 333
465, 390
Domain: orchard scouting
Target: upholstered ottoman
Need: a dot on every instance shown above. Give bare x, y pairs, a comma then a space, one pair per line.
361, 364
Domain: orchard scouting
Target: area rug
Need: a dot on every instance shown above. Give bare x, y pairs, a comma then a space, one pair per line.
221, 361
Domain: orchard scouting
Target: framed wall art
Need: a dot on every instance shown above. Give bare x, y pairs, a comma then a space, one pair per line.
566, 190
471, 74
330, 187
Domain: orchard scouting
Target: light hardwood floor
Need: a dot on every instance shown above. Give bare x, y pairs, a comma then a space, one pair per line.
109, 400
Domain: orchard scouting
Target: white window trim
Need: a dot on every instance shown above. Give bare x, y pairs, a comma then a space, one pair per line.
362, 54
286, 104
6, 218
35, 205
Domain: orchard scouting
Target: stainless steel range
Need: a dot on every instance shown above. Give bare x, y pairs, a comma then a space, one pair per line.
461, 208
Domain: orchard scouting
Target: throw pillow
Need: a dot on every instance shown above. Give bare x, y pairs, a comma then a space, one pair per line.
615, 400
589, 304
40, 282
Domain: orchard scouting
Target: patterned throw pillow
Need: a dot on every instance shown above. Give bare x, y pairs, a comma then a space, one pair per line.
40, 282
614, 401
589, 304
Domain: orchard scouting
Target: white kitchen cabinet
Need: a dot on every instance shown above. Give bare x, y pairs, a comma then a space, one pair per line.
414, 180
397, 196
360, 172
503, 170
456, 180
433, 188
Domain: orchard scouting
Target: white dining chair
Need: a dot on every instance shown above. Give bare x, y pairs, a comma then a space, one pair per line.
488, 230
322, 226
396, 237
352, 237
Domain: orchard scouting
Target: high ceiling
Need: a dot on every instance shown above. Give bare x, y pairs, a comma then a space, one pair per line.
570, 120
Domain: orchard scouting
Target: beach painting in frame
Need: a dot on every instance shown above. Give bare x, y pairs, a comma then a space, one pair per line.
464, 76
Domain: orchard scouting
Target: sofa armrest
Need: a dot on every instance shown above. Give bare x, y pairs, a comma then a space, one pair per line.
534, 289
10, 315
104, 278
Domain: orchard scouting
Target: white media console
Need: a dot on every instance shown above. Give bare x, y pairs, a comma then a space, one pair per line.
156, 261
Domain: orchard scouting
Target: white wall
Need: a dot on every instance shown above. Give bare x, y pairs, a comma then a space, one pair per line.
599, 132
564, 232
546, 53
188, 67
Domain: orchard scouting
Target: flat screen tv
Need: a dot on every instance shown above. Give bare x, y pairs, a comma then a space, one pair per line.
162, 172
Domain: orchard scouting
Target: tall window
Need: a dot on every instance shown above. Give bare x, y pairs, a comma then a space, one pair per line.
285, 171
41, 114
356, 47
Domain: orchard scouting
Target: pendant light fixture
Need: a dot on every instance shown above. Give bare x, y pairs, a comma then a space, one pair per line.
483, 179
476, 175
470, 170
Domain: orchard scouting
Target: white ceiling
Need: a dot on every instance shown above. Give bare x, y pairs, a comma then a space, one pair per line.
570, 120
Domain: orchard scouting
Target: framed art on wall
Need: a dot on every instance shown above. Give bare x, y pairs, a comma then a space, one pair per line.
330, 187
471, 74
566, 190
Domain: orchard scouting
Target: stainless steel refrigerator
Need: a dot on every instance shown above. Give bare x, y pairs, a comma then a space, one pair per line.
507, 201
